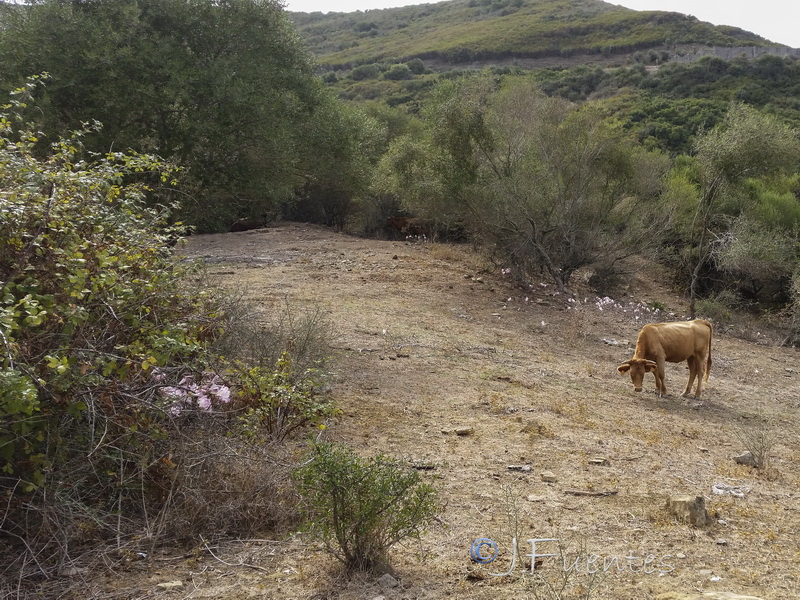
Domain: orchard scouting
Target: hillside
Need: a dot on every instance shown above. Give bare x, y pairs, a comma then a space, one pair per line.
429, 341
461, 32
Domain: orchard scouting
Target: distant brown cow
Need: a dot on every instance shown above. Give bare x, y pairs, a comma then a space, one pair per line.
248, 224
407, 226
671, 342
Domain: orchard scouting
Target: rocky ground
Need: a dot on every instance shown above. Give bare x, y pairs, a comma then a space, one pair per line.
513, 398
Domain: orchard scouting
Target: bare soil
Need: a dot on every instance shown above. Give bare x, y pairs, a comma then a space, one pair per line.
430, 339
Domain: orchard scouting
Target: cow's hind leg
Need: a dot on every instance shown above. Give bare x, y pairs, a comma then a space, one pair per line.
692, 374
700, 371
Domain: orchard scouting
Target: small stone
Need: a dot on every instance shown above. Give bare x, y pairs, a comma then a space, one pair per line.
600, 461
721, 542
746, 459
464, 431
522, 468
386, 581
170, 585
548, 477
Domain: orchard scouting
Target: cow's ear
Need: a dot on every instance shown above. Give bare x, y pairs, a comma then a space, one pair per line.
650, 366
624, 368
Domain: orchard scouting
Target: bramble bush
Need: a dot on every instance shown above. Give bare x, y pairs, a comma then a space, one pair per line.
91, 303
90, 300
110, 393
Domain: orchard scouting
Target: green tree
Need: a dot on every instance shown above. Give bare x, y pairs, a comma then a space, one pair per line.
746, 145
336, 174
547, 185
221, 87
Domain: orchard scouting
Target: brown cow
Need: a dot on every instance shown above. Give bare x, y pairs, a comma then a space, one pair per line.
248, 224
671, 342
408, 226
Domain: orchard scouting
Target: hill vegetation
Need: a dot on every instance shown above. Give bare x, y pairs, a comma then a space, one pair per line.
463, 31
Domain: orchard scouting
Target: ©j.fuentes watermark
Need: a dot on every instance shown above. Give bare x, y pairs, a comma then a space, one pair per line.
589, 563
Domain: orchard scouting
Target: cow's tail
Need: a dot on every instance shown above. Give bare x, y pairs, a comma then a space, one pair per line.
708, 360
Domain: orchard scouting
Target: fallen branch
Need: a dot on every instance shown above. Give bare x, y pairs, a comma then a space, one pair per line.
227, 564
589, 493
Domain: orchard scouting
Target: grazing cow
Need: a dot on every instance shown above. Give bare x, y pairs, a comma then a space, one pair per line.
407, 226
671, 342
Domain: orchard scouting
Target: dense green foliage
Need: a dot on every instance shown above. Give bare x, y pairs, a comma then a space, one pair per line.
541, 182
665, 107
91, 302
463, 31
109, 356
736, 228
361, 507
551, 186
224, 89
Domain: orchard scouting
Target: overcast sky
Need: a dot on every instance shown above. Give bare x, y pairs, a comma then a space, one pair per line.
776, 20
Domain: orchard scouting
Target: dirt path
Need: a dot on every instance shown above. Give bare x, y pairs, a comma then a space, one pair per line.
429, 342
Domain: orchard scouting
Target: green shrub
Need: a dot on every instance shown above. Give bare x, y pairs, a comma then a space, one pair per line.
277, 402
360, 508
365, 72
398, 72
720, 308
90, 300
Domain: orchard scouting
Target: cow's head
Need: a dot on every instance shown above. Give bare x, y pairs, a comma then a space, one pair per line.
637, 368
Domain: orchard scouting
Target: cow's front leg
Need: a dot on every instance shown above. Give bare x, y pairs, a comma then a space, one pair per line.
661, 387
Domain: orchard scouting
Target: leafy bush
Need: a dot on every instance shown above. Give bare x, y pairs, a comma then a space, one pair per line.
277, 402
398, 72
96, 326
365, 72
90, 299
360, 508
